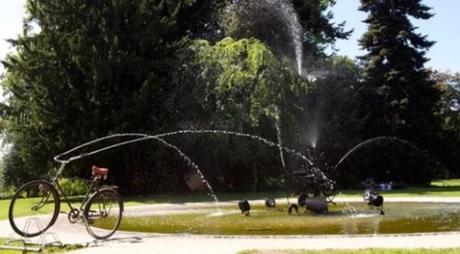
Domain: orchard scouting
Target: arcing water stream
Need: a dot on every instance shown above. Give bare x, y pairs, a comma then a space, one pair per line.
139, 137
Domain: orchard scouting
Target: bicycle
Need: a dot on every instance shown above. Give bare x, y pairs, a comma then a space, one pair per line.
43, 197
36, 205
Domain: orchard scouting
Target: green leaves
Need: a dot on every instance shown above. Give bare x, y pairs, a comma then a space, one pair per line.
245, 77
89, 69
403, 95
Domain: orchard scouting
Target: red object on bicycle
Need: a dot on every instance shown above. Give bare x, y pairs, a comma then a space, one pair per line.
99, 171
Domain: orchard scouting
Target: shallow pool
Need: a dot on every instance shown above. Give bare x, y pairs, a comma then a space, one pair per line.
343, 218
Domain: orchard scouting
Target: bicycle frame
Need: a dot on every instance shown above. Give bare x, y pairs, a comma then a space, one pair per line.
55, 183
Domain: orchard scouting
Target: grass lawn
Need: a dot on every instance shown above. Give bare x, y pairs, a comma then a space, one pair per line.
438, 188
5, 204
45, 251
363, 251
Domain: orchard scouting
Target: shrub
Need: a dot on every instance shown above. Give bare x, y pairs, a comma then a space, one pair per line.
387, 159
73, 186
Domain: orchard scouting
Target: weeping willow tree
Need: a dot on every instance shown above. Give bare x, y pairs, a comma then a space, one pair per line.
246, 87
244, 76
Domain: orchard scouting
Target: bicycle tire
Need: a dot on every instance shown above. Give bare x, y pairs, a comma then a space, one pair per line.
14, 220
92, 225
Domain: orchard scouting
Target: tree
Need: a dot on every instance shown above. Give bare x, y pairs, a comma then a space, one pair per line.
318, 29
89, 69
399, 97
448, 149
245, 78
201, 20
449, 85
244, 84
277, 22
332, 110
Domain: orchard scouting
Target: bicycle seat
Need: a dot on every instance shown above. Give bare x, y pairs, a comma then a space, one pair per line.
97, 171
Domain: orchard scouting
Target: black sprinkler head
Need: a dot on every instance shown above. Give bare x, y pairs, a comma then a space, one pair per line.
244, 207
270, 203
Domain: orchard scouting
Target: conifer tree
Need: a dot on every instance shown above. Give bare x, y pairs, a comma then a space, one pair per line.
84, 69
399, 97
320, 31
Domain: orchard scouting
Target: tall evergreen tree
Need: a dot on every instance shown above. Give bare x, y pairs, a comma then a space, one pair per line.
399, 97
319, 31
88, 69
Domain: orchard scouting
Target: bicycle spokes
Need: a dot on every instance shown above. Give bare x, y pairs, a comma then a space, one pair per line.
103, 213
34, 208
43, 201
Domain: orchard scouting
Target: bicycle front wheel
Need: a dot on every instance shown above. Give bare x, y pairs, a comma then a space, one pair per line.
103, 213
34, 208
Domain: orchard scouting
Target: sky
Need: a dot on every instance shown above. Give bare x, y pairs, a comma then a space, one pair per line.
11, 15
444, 28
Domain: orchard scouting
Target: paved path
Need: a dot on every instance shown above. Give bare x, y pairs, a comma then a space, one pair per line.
217, 245
136, 243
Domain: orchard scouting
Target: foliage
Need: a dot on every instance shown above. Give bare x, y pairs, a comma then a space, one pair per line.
399, 97
331, 113
74, 186
89, 69
200, 20
449, 113
269, 21
449, 84
246, 89
83, 70
315, 18
386, 159
245, 78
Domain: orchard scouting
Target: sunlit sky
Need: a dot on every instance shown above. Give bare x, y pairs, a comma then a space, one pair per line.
444, 28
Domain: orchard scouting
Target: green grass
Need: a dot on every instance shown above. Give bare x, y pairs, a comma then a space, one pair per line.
445, 183
362, 251
47, 250
448, 191
438, 188
23, 208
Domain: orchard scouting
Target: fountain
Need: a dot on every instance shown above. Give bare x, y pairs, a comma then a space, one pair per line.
384, 157
344, 218
309, 169
269, 14
316, 189
138, 137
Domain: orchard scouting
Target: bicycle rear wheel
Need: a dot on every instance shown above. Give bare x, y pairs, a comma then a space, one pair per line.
34, 208
103, 213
